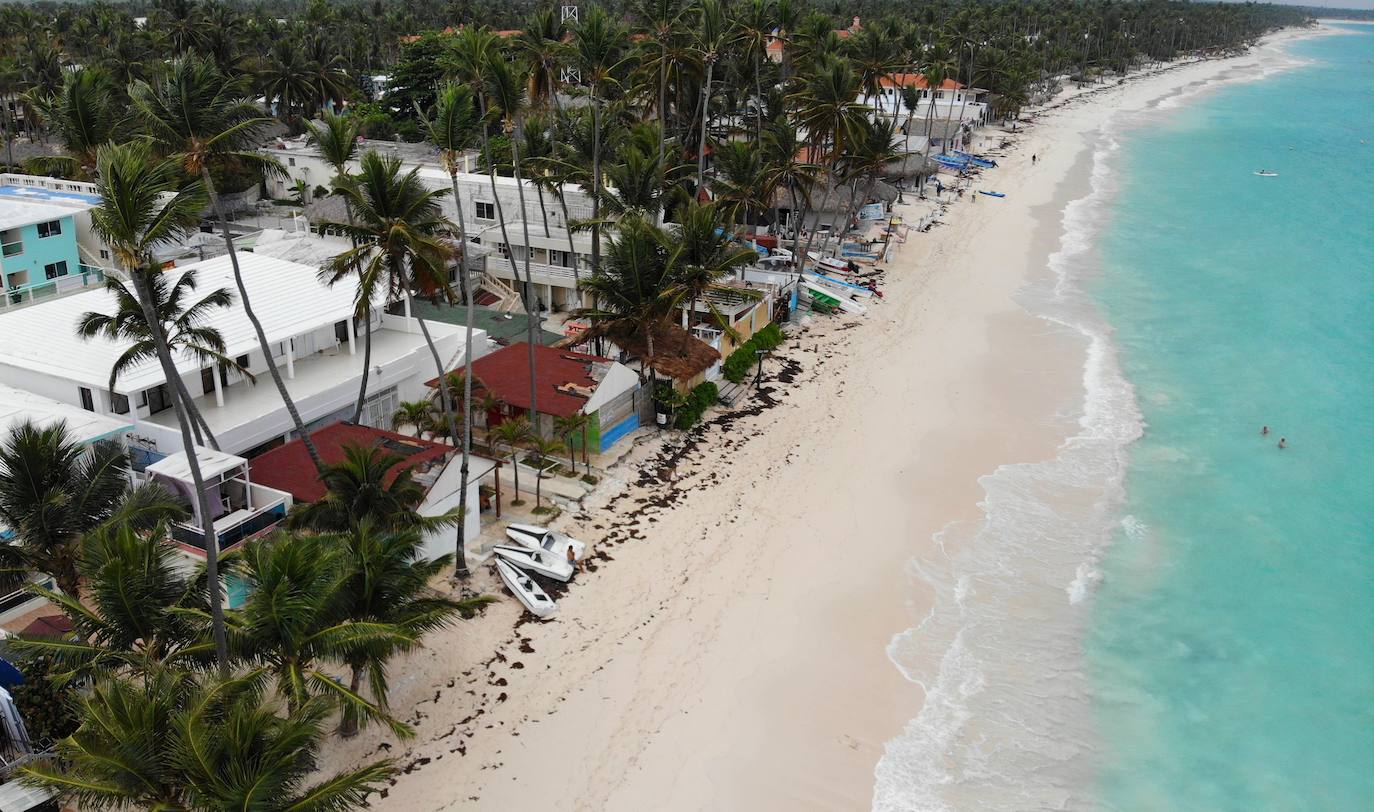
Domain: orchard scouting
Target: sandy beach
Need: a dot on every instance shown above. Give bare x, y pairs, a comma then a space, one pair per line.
727, 650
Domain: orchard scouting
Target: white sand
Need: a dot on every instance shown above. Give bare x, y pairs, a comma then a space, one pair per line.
730, 655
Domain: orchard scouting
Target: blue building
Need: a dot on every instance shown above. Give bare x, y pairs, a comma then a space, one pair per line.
46, 244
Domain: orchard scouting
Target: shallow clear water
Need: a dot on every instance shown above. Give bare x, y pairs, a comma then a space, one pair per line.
1173, 613
1230, 647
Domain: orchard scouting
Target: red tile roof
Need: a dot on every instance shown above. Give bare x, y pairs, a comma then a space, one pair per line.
288, 467
506, 375
914, 80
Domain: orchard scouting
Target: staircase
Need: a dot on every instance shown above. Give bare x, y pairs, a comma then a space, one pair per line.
506, 297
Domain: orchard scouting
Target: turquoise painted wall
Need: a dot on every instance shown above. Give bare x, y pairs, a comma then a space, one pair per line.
41, 251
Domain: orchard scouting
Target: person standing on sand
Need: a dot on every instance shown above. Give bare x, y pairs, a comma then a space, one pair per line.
572, 559
1032, 157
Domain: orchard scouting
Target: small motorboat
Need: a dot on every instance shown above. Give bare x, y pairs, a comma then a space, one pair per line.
525, 590
1265, 173
537, 561
542, 538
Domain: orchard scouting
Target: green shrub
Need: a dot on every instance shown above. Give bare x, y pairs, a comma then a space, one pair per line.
701, 398
736, 367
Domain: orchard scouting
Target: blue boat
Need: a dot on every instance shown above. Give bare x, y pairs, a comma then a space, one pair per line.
983, 162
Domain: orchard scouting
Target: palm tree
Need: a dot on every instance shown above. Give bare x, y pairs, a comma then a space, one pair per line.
514, 434
336, 137
714, 34
183, 326
179, 741
661, 22
755, 31
401, 235
143, 204
598, 51
291, 624
196, 116
506, 92
369, 485
707, 256
388, 584
452, 131
831, 117
543, 447
285, 78
129, 617
414, 413
83, 114
570, 427
786, 169
636, 291
55, 490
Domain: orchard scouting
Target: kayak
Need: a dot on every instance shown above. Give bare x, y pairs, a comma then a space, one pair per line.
991, 194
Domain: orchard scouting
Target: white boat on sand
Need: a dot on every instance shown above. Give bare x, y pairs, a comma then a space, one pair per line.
525, 590
536, 561
542, 538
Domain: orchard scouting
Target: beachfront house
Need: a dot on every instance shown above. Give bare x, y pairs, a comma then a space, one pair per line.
566, 383
435, 466
312, 333
951, 99
727, 317
47, 246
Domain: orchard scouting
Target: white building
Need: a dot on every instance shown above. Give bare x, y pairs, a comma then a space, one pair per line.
47, 244
312, 334
951, 100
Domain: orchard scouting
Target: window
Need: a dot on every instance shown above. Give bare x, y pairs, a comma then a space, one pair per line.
242, 361
341, 331
53, 270
158, 399
87, 399
119, 403
290, 161
52, 228
485, 211
207, 380
104, 254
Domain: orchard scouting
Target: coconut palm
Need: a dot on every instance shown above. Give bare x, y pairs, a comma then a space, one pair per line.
513, 434
175, 740
661, 23
198, 117
543, 448
128, 618
143, 204
388, 584
401, 236
369, 485
786, 168
453, 130
708, 255
417, 414
571, 427
84, 114
291, 625
599, 52
714, 33
285, 78
755, 25
183, 326
336, 137
54, 491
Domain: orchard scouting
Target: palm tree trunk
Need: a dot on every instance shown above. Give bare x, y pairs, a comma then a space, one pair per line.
825, 201
596, 187
367, 365
705, 117
662, 101
257, 325
533, 321
445, 396
198, 423
348, 726
515, 468
563, 206
460, 560
169, 370
543, 211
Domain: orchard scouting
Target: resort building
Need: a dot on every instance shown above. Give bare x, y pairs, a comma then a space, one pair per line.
47, 246
566, 383
950, 100
312, 333
551, 268
435, 466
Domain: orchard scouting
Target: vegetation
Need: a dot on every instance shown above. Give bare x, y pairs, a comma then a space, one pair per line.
702, 397
744, 359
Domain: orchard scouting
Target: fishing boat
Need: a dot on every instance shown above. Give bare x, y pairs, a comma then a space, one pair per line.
952, 163
1265, 173
975, 160
525, 590
542, 538
536, 561
841, 287
832, 298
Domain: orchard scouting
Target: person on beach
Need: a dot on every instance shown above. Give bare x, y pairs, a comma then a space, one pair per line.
1283, 442
1264, 432
572, 559
1032, 158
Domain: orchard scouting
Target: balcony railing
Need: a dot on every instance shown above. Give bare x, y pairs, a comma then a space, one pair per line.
38, 291
539, 271
235, 533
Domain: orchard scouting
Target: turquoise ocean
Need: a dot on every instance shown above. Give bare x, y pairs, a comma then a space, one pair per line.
1174, 613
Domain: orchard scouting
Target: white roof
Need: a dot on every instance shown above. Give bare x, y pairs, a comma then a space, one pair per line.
18, 406
287, 297
15, 212
212, 464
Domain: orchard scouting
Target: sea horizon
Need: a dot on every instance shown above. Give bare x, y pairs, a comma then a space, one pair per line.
1086, 650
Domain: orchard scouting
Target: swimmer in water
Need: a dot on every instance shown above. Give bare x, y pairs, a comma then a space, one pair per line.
1264, 432
1283, 442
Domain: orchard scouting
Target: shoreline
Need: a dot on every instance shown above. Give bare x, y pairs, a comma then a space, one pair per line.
729, 648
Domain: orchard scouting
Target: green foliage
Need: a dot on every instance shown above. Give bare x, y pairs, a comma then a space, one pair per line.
736, 368
47, 712
701, 398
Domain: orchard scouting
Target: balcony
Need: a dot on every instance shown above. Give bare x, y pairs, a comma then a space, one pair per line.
239, 526
22, 295
540, 273
325, 383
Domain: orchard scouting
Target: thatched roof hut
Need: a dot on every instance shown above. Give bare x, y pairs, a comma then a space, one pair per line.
677, 353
